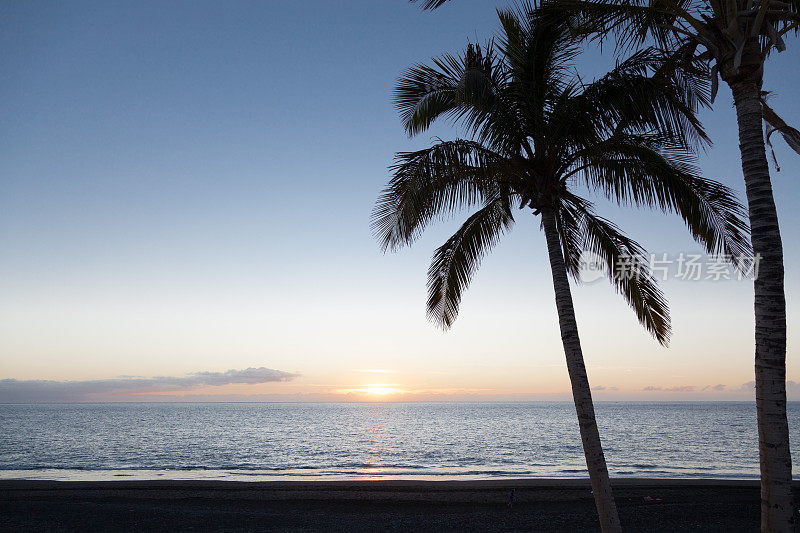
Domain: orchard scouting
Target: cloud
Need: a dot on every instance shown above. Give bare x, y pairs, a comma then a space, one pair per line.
744, 391
604, 388
677, 388
18, 391
681, 388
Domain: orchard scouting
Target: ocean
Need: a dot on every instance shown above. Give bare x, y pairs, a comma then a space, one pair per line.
330, 441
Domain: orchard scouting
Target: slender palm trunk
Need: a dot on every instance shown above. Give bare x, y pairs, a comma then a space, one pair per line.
770, 314
581, 394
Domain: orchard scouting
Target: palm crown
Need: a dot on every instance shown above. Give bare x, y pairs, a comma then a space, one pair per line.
536, 134
732, 37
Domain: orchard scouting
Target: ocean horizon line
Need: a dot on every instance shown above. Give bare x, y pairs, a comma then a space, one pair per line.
370, 402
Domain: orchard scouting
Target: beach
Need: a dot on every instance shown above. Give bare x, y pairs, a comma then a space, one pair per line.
396, 505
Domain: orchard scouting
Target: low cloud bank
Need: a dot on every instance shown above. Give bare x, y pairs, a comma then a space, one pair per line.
743, 392
23, 391
682, 388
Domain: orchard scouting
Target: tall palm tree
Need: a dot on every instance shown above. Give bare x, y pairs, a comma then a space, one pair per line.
733, 39
536, 134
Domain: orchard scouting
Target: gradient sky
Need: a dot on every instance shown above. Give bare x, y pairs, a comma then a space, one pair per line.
186, 187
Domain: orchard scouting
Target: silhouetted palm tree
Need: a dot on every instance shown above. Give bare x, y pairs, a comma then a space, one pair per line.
536, 134
733, 39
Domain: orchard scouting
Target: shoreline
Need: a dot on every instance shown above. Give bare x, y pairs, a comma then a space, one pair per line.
449, 484
552, 504
232, 476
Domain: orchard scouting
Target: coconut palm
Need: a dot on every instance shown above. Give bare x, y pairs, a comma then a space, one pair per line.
733, 38
536, 135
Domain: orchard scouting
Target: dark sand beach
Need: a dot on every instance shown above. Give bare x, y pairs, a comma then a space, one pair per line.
538, 505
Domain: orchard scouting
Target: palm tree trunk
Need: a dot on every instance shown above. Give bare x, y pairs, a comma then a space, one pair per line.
581, 394
770, 314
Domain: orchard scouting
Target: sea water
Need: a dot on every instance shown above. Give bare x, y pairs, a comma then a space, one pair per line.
289, 441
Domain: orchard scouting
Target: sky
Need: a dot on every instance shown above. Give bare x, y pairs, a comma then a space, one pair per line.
185, 193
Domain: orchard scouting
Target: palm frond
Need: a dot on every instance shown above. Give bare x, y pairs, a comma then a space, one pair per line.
775, 123
466, 89
632, 22
431, 4
540, 60
640, 94
424, 93
625, 266
455, 262
448, 176
648, 171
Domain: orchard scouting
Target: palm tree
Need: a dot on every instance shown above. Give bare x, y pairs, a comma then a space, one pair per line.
536, 133
732, 39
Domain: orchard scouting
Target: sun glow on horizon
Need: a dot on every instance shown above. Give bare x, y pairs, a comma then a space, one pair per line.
378, 389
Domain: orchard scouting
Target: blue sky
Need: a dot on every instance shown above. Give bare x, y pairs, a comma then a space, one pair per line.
186, 187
